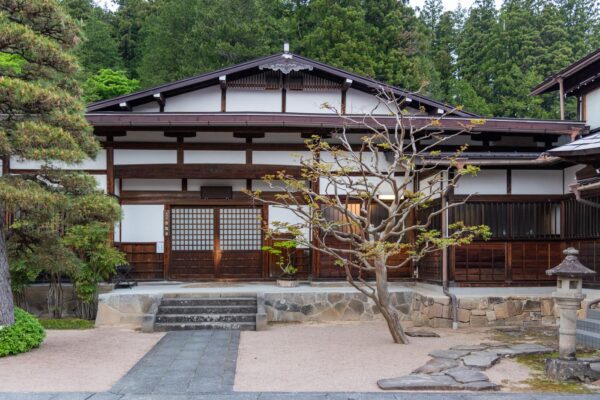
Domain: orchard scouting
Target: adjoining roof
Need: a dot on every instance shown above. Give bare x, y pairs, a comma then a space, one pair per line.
211, 78
588, 145
575, 76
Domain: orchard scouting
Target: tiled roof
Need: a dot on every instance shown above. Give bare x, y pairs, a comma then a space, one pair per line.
584, 146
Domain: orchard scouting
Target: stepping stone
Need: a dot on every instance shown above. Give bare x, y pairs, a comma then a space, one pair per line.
480, 385
436, 365
451, 354
466, 375
420, 382
422, 334
469, 347
482, 359
519, 349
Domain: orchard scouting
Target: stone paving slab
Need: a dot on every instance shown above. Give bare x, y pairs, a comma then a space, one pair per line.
186, 362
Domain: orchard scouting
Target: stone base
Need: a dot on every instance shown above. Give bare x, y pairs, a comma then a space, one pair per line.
566, 370
287, 283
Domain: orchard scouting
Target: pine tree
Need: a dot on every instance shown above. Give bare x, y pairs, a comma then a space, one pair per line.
43, 121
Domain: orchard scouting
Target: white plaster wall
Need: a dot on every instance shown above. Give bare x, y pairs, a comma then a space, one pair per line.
537, 181
253, 100
299, 101
130, 157
286, 216
368, 159
98, 163
152, 184
327, 187
280, 157
101, 181
151, 106
259, 184
145, 136
214, 157
427, 188
117, 186
203, 100
281, 137
569, 177
358, 102
592, 106
487, 181
142, 223
236, 184
214, 137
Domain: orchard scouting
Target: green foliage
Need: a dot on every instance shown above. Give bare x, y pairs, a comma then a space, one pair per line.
107, 83
26, 333
90, 242
283, 250
66, 323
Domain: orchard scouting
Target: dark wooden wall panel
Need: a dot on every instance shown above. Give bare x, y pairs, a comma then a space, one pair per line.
430, 267
589, 255
301, 259
530, 260
480, 262
147, 263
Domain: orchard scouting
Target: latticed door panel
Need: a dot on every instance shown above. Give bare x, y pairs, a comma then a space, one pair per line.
214, 242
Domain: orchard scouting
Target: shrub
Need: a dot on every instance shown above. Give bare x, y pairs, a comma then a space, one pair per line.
26, 334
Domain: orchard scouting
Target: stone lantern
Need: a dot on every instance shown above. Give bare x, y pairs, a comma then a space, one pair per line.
568, 297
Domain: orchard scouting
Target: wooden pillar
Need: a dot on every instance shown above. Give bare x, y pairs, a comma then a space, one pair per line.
561, 87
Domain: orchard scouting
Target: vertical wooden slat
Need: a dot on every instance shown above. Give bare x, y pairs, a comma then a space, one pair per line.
167, 241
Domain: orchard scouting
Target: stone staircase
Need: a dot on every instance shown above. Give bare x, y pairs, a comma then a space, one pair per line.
588, 330
182, 313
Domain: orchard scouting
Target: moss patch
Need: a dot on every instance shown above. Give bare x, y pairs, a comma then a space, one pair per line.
66, 323
539, 382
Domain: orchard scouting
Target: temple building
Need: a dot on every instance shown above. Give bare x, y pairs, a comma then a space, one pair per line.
178, 157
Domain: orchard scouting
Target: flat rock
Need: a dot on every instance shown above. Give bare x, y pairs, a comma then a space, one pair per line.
529, 348
422, 333
469, 347
466, 375
481, 360
420, 382
480, 385
451, 354
595, 366
436, 365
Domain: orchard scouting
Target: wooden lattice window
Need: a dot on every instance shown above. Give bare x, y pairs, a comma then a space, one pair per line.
240, 229
192, 229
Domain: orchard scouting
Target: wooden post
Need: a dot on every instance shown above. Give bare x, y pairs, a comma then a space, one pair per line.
561, 87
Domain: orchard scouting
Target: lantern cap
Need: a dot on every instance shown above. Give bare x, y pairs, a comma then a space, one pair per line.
571, 266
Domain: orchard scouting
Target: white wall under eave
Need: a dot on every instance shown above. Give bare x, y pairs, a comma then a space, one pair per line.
259, 184
214, 157
142, 223
133, 157
214, 137
281, 137
368, 159
240, 100
237, 185
89, 164
592, 108
535, 181
280, 157
354, 184
359, 102
152, 185
300, 101
487, 181
203, 100
145, 136
569, 177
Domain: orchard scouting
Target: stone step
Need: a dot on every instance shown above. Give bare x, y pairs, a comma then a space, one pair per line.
593, 314
184, 318
588, 339
190, 326
589, 325
207, 309
209, 301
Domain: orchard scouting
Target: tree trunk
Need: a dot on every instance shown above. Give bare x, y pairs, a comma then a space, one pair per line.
7, 311
55, 296
389, 313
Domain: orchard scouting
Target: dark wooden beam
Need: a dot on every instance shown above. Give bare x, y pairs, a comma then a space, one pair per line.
125, 106
180, 134
345, 86
160, 99
201, 171
249, 135
223, 85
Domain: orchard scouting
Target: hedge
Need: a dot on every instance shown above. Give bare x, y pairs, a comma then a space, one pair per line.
26, 334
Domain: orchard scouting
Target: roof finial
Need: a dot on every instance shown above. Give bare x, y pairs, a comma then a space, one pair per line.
286, 47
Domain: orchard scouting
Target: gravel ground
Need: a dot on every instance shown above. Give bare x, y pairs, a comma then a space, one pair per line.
76, 361
333, 357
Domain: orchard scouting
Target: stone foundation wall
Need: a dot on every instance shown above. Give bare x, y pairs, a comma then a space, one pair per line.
483, 311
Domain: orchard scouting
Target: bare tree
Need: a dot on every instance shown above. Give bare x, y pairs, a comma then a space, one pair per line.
376, 169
